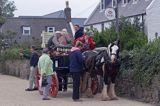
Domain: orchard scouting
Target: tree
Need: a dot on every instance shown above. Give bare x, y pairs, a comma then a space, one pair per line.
6, 10
131, 35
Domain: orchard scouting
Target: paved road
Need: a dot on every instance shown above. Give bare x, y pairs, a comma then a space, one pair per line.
12, 94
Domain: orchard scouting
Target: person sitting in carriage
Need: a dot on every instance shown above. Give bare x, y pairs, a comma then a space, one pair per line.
80, 35
60, 38
88, 43
79, 31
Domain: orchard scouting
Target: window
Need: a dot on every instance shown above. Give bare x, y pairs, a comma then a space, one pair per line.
102, 5
26, 30
98, 27
50, 29
124, 2
107, 25
114, 3
135, 1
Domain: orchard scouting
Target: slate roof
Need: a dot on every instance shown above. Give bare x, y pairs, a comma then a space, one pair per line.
37, 26
57, 14
130, 9
60, 14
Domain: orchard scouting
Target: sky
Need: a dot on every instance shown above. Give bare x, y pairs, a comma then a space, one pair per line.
80, 8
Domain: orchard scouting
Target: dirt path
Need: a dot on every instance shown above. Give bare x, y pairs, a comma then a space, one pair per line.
12, 93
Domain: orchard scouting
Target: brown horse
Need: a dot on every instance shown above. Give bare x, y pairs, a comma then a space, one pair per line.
104, 62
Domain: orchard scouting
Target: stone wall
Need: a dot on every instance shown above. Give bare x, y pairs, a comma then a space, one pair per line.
19, 68
126, 87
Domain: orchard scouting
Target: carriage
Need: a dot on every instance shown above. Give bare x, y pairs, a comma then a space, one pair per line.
60, 60
61, 71
105, 63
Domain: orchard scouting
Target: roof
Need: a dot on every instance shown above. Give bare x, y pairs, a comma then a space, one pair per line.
79, 21
60, 14
57, 14
130, 9
37, 25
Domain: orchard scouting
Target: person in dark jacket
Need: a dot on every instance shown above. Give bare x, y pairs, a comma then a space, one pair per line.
33, 67
78, 31
76, 66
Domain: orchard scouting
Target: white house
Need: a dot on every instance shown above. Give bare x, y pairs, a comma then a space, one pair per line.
153, 19
148, 11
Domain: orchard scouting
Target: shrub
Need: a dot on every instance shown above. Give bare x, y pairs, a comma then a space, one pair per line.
13, 53
131, 36
144, 62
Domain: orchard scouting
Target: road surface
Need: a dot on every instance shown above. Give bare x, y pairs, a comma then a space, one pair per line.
12, 93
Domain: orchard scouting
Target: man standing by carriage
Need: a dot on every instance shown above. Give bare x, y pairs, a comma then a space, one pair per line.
33, 67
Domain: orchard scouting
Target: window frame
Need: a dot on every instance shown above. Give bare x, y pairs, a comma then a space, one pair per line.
124, 2
26, 28
48, 29
102, 5
114, 1
135, 1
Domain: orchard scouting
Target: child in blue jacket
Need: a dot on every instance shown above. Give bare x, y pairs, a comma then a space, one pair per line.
76, 66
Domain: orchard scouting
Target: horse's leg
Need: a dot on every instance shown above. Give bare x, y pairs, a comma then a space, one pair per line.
89, 91
112, 93
105, 96
100, 83
84, 81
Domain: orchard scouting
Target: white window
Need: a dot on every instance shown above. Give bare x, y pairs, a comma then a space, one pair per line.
114, 3
102, 5
50, 29
26, 30
98, 27
107, 25
124, 2
135, 1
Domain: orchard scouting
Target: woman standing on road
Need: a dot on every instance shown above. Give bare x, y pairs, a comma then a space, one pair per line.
45, 66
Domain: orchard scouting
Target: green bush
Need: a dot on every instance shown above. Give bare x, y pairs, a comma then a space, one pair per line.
13, 53
131, 35
144, 62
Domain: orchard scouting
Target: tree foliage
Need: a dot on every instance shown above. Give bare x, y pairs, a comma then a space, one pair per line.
131, 35
6, 39
144, 62
7, 8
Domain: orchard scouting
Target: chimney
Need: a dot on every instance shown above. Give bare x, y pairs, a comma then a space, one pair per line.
67, 12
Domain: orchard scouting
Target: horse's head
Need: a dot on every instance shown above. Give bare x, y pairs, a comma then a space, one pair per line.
113, 51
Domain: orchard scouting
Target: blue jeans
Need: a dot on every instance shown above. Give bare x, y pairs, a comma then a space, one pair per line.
46, 88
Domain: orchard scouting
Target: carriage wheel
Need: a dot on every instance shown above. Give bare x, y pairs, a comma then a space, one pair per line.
37, 81
94, 85
54, 86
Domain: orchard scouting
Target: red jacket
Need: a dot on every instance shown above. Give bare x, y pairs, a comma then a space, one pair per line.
86, 40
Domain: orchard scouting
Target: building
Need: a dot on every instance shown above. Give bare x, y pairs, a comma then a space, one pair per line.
148, 11
29, 28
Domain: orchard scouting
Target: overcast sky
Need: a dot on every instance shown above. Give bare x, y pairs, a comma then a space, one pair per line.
80, 8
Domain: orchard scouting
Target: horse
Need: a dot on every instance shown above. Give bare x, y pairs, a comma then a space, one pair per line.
105, 62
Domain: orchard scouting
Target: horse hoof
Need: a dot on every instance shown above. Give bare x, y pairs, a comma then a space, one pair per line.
114, 98
105, 98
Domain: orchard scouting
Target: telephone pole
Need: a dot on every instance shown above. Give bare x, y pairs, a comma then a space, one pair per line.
0, 7
117, 19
